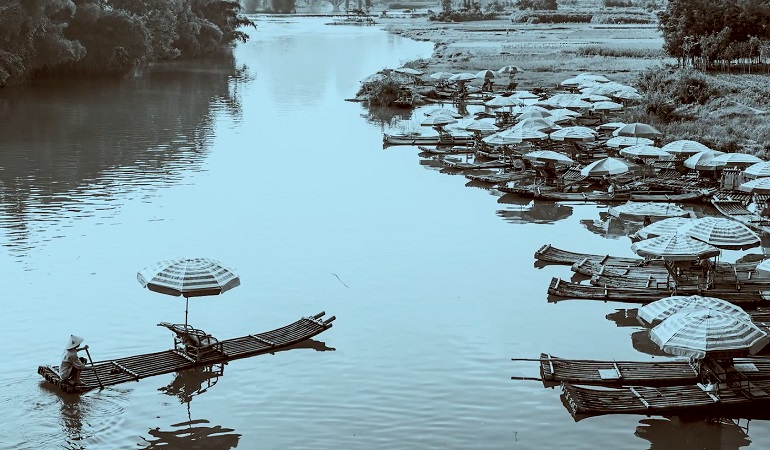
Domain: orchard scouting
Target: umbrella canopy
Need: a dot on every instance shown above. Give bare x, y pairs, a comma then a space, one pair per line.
703, 160
463, 76
510, 70
626, 141
723, 233
438, 120
641, 130
445, 112
697, 332
481, 126
498, 139
574, 81
486, 74
537, 123
665, 227
606, 106
758, 186
736, 160
523, 134
651, 209
685, 147
676, 247
561, 99
574, 134
524, 95
535, 114
763, 267
441, 75
611, 126
190, 277
758, 170
408, 71
595, 98
644, 151
662, 309
502, 101
592, 77
563, 112
606, 166
576, 104
627, 95
548, 156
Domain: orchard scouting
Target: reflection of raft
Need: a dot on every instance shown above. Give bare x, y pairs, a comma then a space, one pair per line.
134, 368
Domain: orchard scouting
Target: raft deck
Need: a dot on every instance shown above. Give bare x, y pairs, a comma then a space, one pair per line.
134, 368
550, 254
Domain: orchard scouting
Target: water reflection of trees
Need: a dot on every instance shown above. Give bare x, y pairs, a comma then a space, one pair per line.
386, 116
703, 434
69, 145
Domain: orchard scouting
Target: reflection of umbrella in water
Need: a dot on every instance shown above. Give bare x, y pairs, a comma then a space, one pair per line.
536, 212
193, 434
651, 209
662, 309
641, 342
697, 332
700, 433
445, 112
189, 277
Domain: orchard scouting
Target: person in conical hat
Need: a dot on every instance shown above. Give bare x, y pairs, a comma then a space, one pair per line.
71, 365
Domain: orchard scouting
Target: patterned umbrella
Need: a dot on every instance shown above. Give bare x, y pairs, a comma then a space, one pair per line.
502, 101
438, 120
535, 114
640, 130
736, 160
703, 160
606, 166
443, 111
644, 151
723, 233
611, 126
510, 70
463, 76
548, 156
441, 75
498, 139
190, 277
758, 186
627, 95
537, 123
677, 247
665, 227
482, 126
524, 134
697, 332
685, 147
758, 170
574, 134
593, 98
662, 309
486, 74
606, 106
625, 141
651, 209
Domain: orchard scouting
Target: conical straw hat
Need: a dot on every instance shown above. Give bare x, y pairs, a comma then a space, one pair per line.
73, 342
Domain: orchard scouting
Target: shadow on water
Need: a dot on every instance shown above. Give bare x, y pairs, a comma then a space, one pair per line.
610, 227
703, 434
70, 145
535, 212
625, 317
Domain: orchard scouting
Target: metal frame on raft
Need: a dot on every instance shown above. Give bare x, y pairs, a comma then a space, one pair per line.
134, 368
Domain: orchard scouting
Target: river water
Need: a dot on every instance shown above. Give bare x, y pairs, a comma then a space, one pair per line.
255, 159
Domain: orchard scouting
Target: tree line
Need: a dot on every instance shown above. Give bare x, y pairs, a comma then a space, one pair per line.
63, 37
717, 34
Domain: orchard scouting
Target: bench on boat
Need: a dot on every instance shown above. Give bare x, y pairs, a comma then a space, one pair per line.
193, 342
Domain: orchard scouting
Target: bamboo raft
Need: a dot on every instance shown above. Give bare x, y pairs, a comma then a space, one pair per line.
563, 289
459, 165
497, 178
444, 150
134, 368
554, 371
548, 253
745, 398
737, 211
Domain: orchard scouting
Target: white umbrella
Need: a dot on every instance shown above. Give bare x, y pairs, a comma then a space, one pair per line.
510, 70
627, 95
524, 95
643, 151
758, 186
438, 120
498, 139
561, 99
685, 147
445, 112
665, 227
539, 124
548, 156
592, 77
605, 166
703, 160
625, 141
763, 267
486, 74
564, 112
577, 104
502, 101
463, 76
408, 71
736, 160
611, 126
651, 209
662, 309
481, 126
640, 130
594, 98
723, 233
524, 134
574, 134
536, 114
677, 247
606, 106
758, 170
189, 277
574, 81
697, 332
441, 75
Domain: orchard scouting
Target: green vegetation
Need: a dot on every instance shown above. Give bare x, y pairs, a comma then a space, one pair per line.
551, 5
468, 11
382, 92
716, 34
64, 37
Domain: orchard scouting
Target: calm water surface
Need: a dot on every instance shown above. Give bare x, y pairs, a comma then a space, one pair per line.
255, 159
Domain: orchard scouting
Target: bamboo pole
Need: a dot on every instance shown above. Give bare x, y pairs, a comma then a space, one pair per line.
94, 367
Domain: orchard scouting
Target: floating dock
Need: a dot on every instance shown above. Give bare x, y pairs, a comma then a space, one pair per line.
134, 368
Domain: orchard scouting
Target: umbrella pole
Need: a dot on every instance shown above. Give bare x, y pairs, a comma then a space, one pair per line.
186, 303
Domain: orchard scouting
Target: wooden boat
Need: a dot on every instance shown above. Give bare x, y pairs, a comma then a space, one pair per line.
444, 150
134, 368
736, 210
563, 289
497, 178
459, 165
419, 139
548, 253
353, 20
652, 196
591, 196
744, 399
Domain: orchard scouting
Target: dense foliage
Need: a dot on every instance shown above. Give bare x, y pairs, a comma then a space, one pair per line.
714, 34
467, 12
56, 37
537, 4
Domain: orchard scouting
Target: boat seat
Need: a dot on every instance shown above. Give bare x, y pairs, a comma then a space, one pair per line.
193, 341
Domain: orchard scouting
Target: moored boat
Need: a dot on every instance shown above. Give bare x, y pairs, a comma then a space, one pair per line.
420, 139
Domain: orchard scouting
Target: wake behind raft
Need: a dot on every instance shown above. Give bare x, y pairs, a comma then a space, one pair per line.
192, 348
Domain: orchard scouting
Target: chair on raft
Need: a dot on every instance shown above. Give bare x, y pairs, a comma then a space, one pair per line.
193, 342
